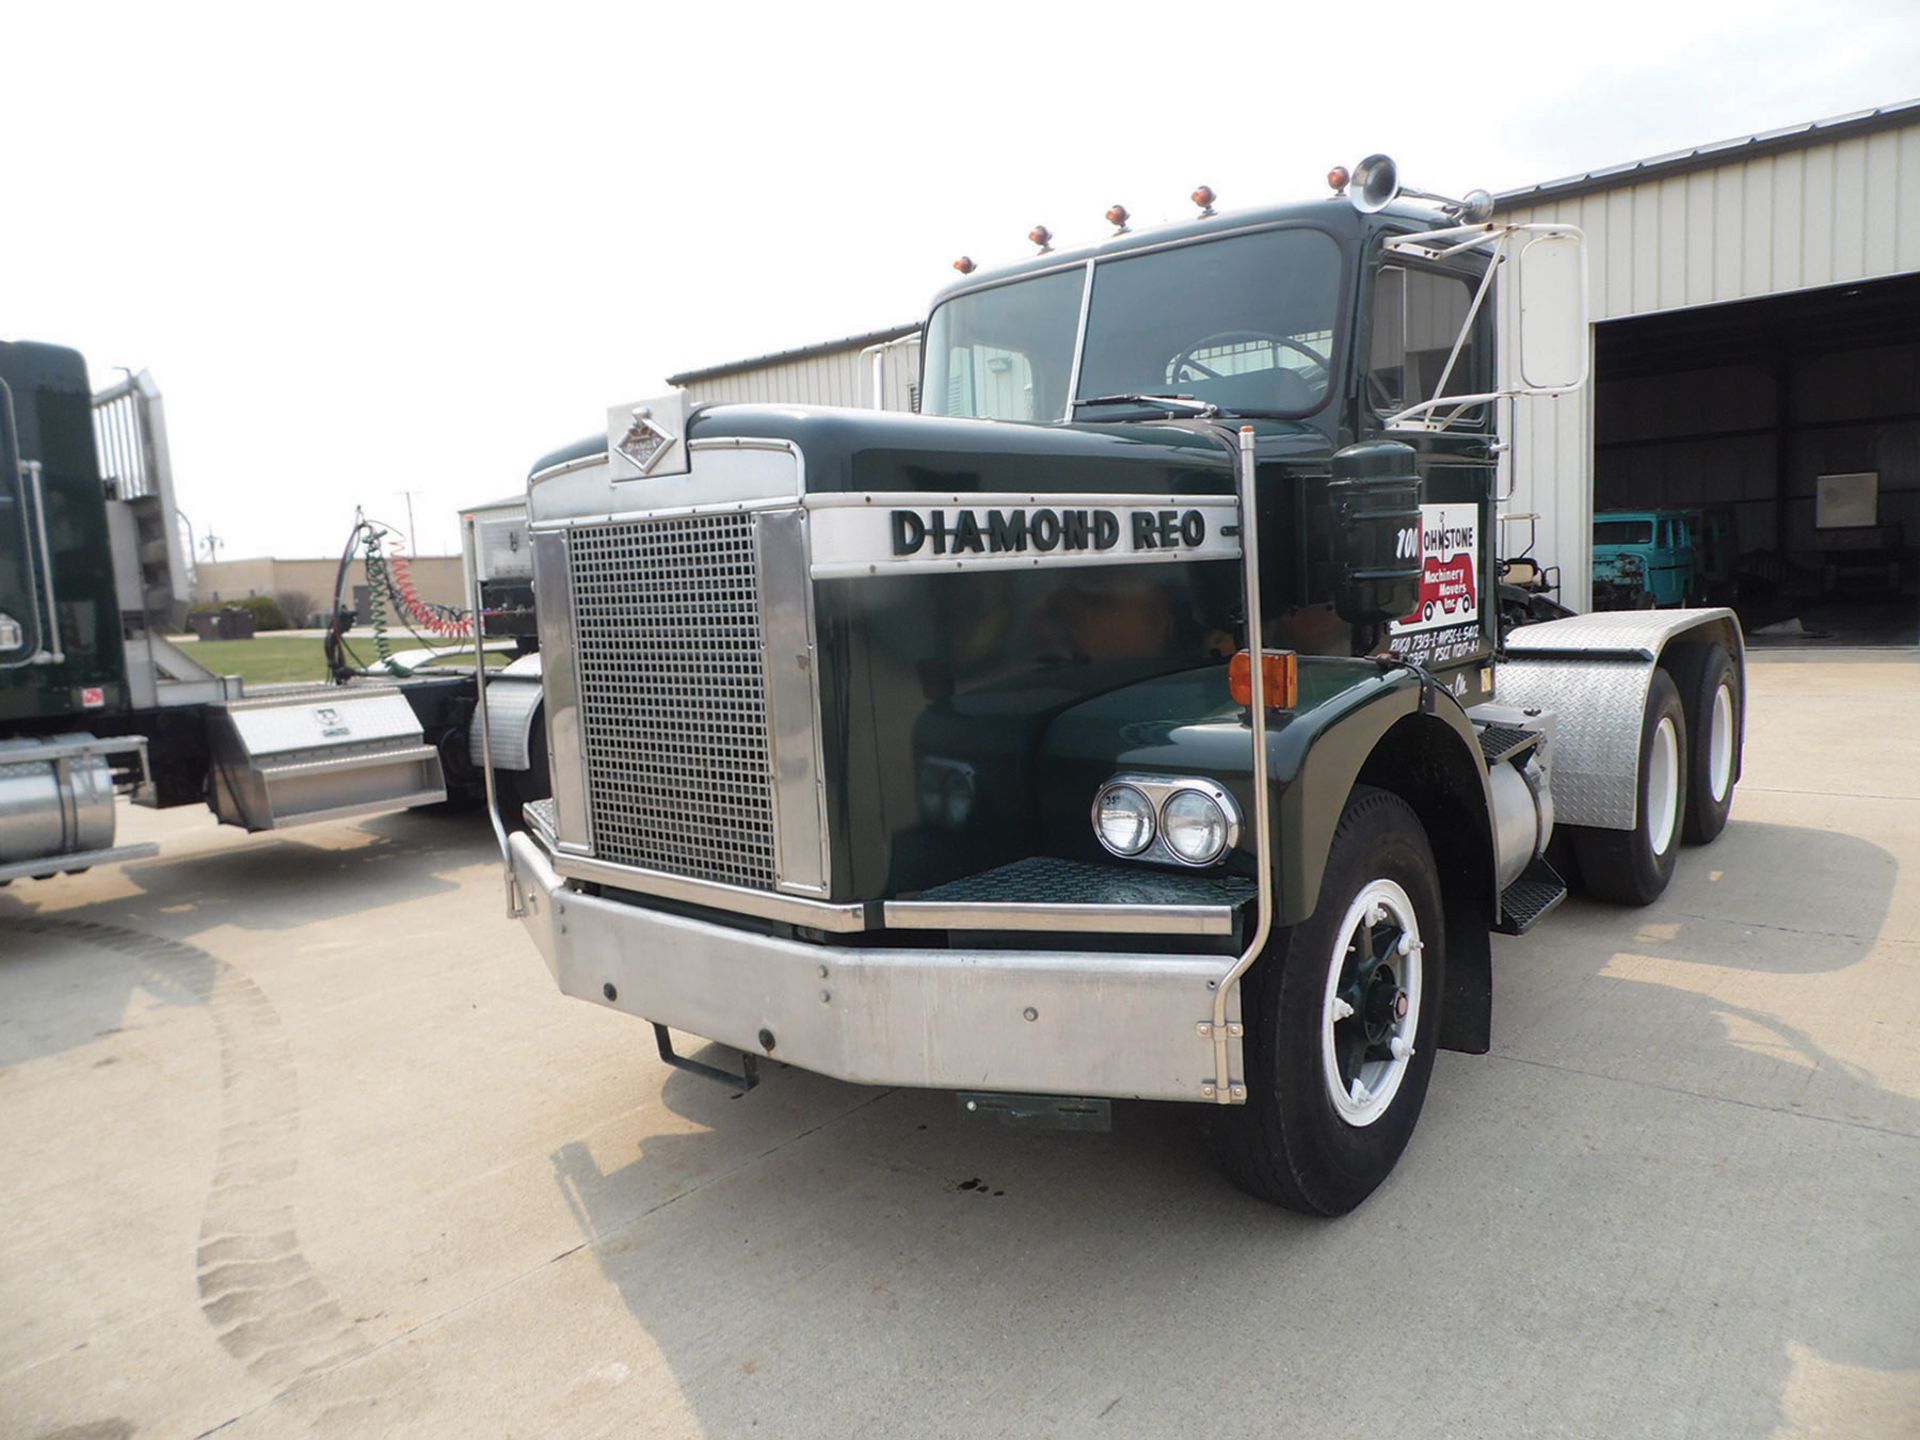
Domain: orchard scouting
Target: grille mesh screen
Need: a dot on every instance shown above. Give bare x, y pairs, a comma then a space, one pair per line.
673, 697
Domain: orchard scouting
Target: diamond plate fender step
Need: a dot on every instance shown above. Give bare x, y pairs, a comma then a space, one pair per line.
1535, 894
1500, 743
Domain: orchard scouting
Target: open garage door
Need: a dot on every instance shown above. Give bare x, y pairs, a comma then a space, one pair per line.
1786, 432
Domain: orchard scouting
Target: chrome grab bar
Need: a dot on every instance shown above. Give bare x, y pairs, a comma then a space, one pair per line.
515, 906
50, 651
36, 654
1227, 1090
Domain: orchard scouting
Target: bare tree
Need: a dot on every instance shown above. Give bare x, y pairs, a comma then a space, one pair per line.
299, 607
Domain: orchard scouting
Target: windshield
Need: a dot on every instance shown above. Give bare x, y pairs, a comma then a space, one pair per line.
1623, 532
1005, 353
1244, 323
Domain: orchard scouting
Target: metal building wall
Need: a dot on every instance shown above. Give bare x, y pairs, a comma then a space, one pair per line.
834, 377
1823, 213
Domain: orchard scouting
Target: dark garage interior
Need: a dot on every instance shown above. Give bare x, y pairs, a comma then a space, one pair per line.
1734, 412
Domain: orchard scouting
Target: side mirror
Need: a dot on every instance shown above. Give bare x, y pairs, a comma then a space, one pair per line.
1375, 500
1551, 283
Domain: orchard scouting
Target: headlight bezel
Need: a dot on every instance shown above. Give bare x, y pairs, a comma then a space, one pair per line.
1158, 791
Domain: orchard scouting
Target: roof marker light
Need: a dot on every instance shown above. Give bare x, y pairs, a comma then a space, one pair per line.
964, 264
1041, 236
1204, 197
1337, 178
1117, 217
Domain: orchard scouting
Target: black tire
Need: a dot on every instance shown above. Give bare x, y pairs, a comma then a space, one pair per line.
1628, 867
1289, 1144
1713, 679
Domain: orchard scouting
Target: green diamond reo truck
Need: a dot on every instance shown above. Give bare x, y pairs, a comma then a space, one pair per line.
1138, 719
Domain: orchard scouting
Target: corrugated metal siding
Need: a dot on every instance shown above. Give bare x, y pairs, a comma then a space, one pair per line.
840, 377
1827, 214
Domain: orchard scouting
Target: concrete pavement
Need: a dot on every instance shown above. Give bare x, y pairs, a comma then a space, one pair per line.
301, 1140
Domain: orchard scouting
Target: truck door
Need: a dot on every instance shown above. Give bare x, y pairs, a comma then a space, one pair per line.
1411, 323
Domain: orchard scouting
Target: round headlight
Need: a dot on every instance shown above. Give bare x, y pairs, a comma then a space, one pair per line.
1123, 819
1195, 827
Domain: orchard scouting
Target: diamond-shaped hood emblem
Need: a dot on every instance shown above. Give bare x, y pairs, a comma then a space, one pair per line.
645, 441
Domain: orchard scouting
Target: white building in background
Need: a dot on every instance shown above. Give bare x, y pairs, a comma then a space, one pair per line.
837, 372
1756, 309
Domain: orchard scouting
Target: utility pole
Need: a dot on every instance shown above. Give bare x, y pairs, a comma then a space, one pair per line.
413, 542
213, 543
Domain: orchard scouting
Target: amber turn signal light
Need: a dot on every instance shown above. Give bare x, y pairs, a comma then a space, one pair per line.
1117, 217
1337, 178
964, 264
1279, 675
1041, 236
1204, 197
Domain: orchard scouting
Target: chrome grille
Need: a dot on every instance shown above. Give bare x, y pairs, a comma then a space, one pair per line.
673, 698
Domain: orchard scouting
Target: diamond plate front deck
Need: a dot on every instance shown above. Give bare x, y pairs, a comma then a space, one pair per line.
1044, 893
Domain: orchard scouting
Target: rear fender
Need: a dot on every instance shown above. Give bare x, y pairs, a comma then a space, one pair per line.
1592, 672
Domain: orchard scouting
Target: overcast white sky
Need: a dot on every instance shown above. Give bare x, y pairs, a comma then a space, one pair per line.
391, 247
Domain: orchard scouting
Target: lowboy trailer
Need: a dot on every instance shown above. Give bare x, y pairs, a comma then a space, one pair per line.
1134, 721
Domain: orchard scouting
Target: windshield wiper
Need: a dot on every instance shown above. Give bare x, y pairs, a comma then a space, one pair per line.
1167, 402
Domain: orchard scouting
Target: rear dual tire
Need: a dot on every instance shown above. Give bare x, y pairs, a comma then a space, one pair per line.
1715, 706
1633, 867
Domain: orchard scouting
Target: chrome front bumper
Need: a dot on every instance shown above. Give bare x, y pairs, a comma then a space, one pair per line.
1032, 1022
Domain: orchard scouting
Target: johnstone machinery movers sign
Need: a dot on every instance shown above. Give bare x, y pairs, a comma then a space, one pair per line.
1444, 627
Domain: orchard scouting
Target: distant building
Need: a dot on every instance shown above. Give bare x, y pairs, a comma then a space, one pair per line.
836, 372
436, 577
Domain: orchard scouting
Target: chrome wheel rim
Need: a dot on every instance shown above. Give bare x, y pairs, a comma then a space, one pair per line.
1720, 743
1370, 1009
1663, 786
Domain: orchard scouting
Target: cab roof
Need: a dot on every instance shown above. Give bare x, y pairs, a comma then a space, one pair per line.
1334, 214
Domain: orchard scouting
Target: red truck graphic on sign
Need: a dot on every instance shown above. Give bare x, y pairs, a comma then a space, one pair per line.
1446, 587
1443, 628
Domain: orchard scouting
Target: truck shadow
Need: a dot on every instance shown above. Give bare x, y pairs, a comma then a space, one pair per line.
827, 1259
54, 996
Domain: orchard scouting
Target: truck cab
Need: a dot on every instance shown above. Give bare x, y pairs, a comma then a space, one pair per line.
1125, 724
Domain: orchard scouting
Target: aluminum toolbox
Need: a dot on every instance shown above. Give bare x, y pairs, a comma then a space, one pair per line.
319, 753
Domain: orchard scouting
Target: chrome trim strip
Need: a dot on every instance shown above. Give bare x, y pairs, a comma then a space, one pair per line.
664, 512
1001, 499
789, 660
1079, 345
1083, 919
567, 467
735, 899
714, 442
559, 682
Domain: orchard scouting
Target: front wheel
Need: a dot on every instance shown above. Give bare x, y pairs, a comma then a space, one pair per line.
1343, 1019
